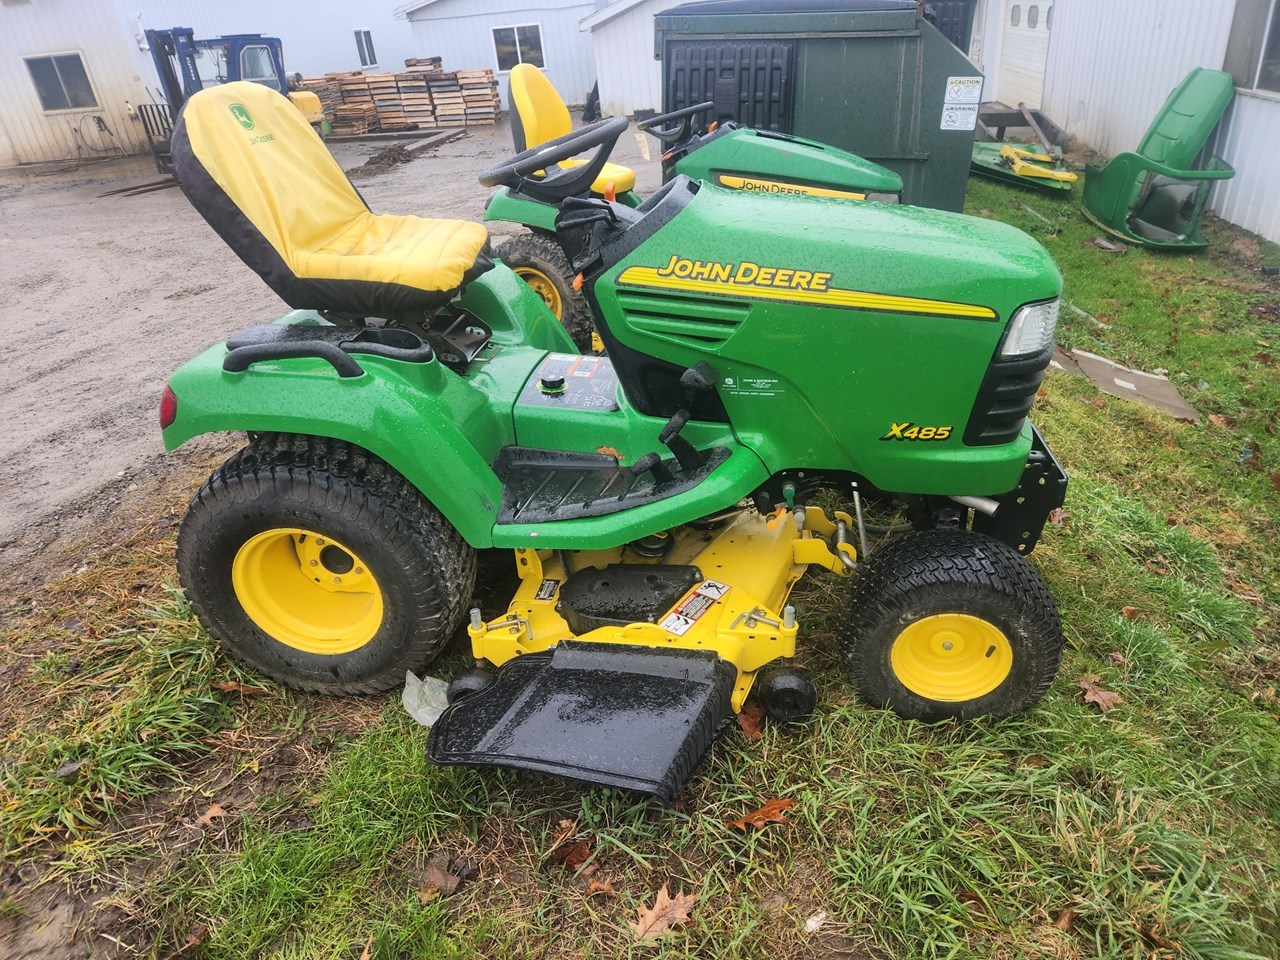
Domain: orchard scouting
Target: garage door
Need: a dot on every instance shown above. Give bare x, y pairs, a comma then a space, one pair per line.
1023, 49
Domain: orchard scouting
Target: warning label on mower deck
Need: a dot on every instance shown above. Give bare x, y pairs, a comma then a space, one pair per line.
690, 610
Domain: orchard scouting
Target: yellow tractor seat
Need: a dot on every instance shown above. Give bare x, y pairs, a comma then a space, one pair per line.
258, 173
538, 115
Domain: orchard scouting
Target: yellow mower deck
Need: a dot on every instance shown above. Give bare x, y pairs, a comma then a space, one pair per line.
737, 610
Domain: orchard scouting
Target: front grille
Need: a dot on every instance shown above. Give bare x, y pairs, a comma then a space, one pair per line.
1005, 398
687, 320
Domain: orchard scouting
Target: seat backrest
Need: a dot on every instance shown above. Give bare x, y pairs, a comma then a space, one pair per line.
1186, 121
537, 112
242, 151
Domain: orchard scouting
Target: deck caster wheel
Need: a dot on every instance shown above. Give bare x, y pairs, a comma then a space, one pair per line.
948, 624
787, 694
467, 682
314, 562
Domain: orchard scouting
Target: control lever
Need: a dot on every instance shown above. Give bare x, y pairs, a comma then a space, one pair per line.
700, 378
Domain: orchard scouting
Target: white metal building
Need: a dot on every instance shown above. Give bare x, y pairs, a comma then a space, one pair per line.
1108, 68
68, 67
474, 34
630, 74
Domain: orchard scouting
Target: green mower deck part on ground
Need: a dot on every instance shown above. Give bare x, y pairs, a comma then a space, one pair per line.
987, 162
1156, 196
659, 499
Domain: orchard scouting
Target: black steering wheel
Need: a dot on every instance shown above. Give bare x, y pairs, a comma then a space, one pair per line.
674, 134
559, 182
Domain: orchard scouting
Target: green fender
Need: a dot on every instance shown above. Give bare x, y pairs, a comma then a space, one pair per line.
439, 431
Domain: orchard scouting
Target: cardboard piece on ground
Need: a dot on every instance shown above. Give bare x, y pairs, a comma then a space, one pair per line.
1065, 362
1120, 381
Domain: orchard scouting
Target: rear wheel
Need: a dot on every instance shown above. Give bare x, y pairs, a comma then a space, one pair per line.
949, 624
316, 563
539, 262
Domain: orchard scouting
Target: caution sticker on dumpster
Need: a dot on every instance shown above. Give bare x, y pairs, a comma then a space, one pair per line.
690, 610
960, 105
963, 90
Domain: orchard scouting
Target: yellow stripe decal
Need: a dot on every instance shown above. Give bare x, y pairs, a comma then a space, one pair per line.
756, 185
832, 296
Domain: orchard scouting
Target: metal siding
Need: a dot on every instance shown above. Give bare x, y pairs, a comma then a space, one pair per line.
1023, 52
459, 32
1111, 65
630, 77
94, 30
1249, 140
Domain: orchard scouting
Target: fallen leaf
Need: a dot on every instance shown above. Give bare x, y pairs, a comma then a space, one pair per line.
814, 923
1098, 403
1104, 700
195, 936
574, 855
440, 881
1058, 517
774, 811
1218, 420
1246, 593
1130, 613
1116, 658
67, 769
565, 830
605, 451
1158, 565
234, 686
215, 810
1275, 480
602, 887
1065, 919
367, 952
751, 721
665, 915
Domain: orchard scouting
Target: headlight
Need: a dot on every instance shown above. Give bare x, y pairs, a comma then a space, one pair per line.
1031, 329
884, 197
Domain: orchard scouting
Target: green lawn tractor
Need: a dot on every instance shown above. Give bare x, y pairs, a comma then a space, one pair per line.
738, 158
421, 404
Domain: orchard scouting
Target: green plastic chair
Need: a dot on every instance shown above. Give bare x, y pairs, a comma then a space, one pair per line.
1156, 196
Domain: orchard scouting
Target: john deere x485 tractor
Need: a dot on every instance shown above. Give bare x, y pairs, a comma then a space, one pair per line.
420, 404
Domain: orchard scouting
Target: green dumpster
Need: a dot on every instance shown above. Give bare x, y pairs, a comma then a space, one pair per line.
865, 75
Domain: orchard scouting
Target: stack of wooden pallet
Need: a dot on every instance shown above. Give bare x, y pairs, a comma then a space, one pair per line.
329, 92
480, 96
385, 90
447, 99
422, 63
354, 87
416, 97
355, 119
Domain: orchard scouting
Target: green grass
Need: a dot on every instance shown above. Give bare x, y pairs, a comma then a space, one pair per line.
1148, 832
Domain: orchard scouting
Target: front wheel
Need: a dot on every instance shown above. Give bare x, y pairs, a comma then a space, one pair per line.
948, 624
317, 564
539, 262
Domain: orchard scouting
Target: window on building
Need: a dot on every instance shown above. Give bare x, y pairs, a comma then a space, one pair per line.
1253, 49
1033, 16
1015, 15
518, 44
61, 82
364, 46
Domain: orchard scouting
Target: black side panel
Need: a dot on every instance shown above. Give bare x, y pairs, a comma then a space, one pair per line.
1005, 398
611, 715
750, 83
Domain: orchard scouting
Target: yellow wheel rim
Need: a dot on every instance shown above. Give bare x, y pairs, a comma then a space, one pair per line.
307, 591
543, 286
951, 657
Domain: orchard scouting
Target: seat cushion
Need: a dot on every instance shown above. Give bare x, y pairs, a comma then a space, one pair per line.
257, 172
622, 178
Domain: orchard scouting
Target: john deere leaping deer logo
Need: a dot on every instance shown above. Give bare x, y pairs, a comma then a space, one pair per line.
241, 113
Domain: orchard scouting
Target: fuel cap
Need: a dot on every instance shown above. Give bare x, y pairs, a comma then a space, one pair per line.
551, 385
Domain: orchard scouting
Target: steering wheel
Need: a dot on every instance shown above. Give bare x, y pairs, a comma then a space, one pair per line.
679, 132
559, 182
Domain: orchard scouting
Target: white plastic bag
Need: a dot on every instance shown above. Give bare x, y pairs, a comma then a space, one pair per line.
424, 699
